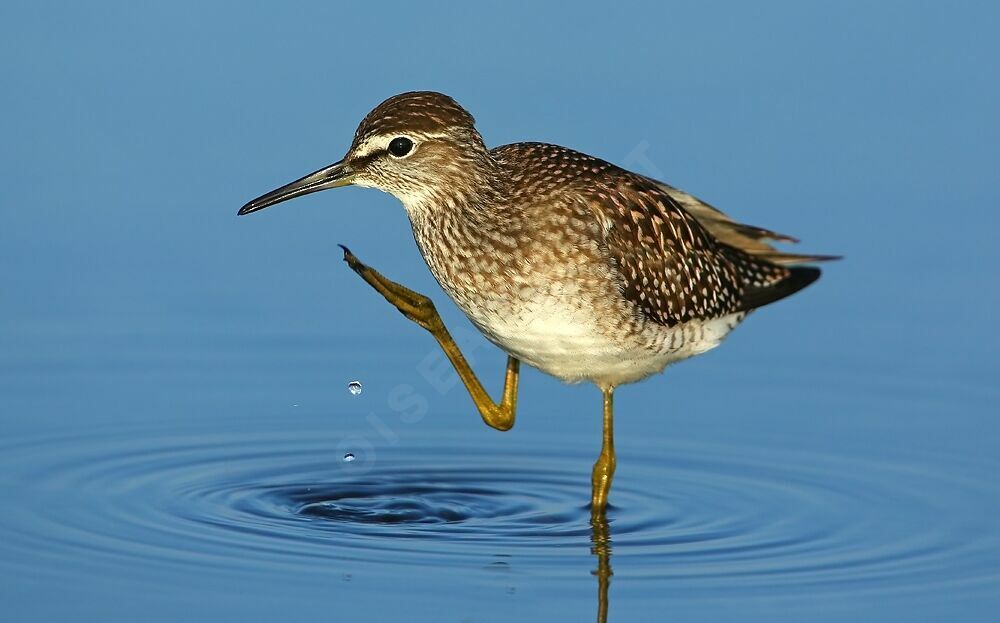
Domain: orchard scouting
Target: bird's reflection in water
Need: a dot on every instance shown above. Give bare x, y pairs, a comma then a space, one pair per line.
601, 548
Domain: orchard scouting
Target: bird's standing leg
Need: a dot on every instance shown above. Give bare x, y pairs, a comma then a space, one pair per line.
604, 468
421, 310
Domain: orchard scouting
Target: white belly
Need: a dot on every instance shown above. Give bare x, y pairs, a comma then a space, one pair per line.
572, 345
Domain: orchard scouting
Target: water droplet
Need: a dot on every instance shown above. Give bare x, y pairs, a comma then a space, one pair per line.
348, 457
354, 387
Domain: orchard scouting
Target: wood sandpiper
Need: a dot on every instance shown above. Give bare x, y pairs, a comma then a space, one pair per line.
577, 267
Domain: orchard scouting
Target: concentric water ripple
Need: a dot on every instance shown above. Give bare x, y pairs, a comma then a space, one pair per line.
717, 517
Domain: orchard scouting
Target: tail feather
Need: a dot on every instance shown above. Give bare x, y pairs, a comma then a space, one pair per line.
794, 259
749, 239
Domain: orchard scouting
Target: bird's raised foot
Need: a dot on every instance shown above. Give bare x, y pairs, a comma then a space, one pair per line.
415, 306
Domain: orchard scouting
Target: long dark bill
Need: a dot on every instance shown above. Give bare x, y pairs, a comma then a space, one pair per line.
337, 174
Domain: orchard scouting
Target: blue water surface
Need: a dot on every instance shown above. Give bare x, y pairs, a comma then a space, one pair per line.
174, 404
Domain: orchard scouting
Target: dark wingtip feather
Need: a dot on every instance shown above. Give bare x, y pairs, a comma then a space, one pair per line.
799, 277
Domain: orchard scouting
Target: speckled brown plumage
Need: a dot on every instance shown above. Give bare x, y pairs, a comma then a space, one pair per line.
567, 262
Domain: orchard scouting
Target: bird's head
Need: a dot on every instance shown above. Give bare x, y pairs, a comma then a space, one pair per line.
416, 146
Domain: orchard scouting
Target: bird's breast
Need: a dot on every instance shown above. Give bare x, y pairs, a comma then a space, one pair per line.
562, 317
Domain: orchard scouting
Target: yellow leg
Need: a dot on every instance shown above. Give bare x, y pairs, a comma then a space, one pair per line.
421, 310
604, 468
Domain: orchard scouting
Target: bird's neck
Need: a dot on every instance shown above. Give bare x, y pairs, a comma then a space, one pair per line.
472, 191
463, 224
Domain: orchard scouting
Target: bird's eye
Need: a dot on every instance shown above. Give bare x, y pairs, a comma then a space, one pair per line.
400, 146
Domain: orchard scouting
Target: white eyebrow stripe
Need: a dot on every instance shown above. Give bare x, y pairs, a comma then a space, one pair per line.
381, 142
368, 146
426, 135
